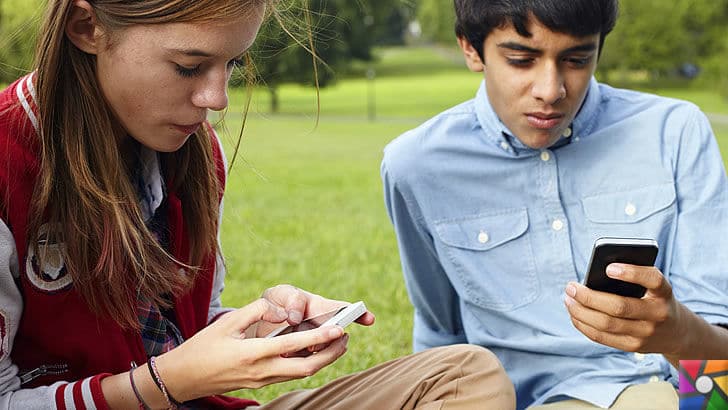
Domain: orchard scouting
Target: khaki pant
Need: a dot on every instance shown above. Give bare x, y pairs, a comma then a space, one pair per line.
648, 396
444, 378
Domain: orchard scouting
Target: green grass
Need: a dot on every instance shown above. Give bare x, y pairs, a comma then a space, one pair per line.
415, 97
305, 207
708, 100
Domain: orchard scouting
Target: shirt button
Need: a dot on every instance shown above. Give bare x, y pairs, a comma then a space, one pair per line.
639, 357
567, 133
557, 224
504, 145
630, 209
545, 156
483, 237
654, 379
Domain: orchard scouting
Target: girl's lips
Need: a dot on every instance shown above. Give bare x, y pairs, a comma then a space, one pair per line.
188, 129
543, 123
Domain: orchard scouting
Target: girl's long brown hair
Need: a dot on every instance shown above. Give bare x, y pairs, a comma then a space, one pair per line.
84, 193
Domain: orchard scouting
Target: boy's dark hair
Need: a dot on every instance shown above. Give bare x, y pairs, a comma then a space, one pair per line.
475, 19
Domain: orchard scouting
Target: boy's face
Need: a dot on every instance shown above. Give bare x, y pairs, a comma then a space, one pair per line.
535, 85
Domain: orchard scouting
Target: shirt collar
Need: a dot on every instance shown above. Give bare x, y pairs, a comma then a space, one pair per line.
497, 132
151, 187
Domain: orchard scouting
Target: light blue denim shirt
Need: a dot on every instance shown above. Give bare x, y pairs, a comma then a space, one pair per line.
490, 231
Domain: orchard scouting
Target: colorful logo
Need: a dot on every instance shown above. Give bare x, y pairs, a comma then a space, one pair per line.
703, 384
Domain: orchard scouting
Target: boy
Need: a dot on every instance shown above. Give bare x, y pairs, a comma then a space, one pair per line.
496, 204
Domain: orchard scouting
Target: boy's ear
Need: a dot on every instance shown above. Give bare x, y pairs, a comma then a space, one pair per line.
82, 28
472, 59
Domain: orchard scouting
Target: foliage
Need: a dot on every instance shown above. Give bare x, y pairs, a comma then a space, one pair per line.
437, 20
658, 36
18, 27
337, 31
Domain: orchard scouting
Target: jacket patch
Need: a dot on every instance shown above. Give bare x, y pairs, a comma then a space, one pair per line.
52, 276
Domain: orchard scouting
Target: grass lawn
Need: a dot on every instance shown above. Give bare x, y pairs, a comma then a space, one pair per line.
305, 207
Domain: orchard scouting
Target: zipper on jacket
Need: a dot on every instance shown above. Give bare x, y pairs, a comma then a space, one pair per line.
43, 370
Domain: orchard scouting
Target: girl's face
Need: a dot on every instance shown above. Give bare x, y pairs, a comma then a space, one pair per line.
160, 80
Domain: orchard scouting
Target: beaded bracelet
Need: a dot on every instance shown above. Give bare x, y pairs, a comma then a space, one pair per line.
142, 404
151, 363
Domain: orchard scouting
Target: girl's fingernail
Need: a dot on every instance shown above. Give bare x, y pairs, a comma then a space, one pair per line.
295, 316
335, 331
571, 290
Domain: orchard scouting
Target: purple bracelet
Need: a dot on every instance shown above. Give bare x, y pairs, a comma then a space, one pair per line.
142, 404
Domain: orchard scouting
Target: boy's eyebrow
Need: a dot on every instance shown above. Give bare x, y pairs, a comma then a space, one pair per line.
512, 45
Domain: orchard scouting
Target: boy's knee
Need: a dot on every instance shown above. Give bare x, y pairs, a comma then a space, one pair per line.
476, 358
468, 352
482, 371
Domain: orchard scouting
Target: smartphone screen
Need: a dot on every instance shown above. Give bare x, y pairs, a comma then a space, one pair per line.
633, 251
307, 324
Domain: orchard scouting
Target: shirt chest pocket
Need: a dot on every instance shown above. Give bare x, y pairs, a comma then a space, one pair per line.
645, 212
492, 258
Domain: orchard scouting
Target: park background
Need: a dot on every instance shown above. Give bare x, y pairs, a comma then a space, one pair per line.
304, 204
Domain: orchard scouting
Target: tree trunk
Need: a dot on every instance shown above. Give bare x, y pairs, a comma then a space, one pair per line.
274, 103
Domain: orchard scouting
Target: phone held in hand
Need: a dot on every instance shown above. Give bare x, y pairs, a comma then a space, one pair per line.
633, 251
341, 316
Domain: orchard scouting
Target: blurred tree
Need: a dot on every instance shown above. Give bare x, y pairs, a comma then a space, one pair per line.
390, 31
339, 31
437, 19
659, 36
18, 27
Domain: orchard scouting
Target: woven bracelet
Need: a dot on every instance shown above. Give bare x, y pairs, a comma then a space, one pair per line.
151, 363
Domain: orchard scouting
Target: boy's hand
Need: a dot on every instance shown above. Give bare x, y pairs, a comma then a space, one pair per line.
651, 324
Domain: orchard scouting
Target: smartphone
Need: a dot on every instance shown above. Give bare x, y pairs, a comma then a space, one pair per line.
633, 251
341, 316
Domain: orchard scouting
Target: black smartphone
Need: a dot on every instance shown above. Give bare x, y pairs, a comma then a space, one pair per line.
633, 251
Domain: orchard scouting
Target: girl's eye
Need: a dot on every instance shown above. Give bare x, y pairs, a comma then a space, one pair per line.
187, 71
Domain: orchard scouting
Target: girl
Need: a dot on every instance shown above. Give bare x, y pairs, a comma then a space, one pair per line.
111, 181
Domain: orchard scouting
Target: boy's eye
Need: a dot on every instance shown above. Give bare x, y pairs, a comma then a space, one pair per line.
187, 71
578, 61
519, 62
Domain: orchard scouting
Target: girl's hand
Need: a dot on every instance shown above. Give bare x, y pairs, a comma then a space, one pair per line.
220, 358
299, 304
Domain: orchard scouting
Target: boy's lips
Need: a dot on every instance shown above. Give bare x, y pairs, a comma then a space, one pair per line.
544, 121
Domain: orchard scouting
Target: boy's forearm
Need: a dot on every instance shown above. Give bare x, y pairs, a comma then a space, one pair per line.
701, 340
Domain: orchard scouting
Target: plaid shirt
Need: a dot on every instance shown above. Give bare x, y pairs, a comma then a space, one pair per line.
158, 331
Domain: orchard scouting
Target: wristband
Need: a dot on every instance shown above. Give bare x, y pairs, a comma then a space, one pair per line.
151, 363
